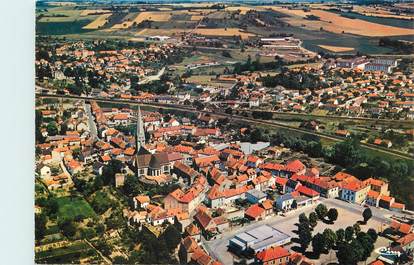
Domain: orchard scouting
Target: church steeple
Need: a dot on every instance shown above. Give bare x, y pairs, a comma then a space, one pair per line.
140, 136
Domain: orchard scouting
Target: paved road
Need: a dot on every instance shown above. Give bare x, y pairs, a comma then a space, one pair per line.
91, 121
233, 117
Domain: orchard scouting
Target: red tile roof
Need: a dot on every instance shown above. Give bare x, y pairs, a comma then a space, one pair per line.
406, 239
272, 166
373, 194
397, 205
405, 228
254, 211
272, 253
281, 181
307, 191
294, 166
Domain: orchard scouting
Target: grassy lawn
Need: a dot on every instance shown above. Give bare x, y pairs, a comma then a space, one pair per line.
72, 207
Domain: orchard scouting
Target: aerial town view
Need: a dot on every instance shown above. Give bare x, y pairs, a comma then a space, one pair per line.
235, 132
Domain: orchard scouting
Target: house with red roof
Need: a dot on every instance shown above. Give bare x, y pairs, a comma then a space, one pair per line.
355, 192
295, 167
206, 161
397, 207
280, 184
218, 196
324, 185
406, 242
308, 192
141, 201
255, 212
275, 168
210, 225
379, 186
385, 201
193, 231
191, 253
273, 256
267, 205
401, 228
372, 198
187, 200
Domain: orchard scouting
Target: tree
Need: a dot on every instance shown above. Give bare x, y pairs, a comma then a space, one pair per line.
303, 218
346, 254
367, 214
340, 235
330, 238
332, 214
108, 172
313, 219
40, 225
367, 245
357, 228
120, 260
349, 233
358, 248
305, 236
132, 187
52, 128
68, 228
321, 211
373, 234
318, 244
134, 79
346, 153
52, 206
172, 237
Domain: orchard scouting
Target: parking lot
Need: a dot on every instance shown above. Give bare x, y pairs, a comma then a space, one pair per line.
348, 214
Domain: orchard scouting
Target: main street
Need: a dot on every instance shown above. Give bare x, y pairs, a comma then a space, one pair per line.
232, 117
91, 121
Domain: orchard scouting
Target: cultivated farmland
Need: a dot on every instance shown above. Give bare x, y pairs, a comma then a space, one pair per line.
224, 32
99, 22
153, 16
336, 48
335, 23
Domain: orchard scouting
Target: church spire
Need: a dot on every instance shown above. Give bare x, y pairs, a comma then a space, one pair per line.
140, 136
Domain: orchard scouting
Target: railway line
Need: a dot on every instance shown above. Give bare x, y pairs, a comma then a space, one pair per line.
237, 118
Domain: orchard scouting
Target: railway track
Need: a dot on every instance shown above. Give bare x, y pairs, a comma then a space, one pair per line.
231, 117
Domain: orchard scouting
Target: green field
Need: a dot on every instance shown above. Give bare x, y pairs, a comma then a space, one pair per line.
69, 208
62, 28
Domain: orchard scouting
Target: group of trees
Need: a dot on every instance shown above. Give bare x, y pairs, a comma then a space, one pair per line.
153, 250
295, 80
43, 70
322, 213
351, 244
398, 45
256, 65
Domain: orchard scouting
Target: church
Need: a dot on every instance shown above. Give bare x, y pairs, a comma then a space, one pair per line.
147, 163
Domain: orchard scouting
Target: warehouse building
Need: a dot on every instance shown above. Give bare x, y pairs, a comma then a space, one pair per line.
258, 239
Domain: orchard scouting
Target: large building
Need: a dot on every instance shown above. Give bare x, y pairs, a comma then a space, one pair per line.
258, 239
